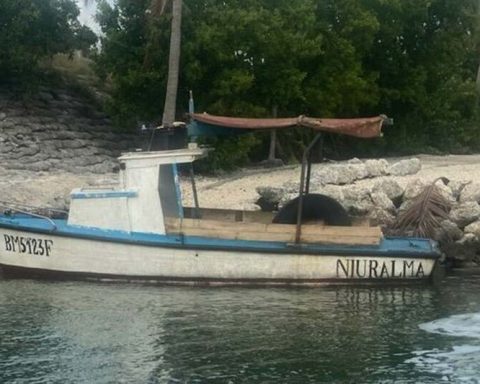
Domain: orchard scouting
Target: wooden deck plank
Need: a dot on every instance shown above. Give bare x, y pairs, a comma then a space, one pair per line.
275, 232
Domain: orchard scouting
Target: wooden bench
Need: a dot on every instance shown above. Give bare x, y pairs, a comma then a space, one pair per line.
310, 233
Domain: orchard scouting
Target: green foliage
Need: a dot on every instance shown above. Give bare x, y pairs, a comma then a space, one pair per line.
426, 56
229, 153
248, 54
414, 60
134, 56
34, 29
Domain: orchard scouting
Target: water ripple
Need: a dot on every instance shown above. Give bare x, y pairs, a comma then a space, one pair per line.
459, 362
99, 333
467, 325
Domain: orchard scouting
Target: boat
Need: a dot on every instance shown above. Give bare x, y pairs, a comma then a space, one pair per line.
139, 231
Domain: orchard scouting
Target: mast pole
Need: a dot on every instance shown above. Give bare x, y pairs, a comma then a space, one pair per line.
169, 108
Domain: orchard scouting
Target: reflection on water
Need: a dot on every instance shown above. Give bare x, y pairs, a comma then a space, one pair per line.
96, 333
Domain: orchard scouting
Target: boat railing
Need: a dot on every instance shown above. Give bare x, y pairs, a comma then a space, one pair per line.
109, 187
27, 210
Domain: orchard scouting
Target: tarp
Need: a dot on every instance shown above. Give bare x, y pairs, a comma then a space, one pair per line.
360, 127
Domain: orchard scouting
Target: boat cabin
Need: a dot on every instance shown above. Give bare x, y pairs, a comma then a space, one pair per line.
147, 194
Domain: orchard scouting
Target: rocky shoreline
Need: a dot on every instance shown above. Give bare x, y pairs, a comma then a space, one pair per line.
383, 198
56, 141
374, 189
57, 130
52, 141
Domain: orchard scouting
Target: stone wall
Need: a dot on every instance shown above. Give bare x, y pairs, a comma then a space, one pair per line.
56, 129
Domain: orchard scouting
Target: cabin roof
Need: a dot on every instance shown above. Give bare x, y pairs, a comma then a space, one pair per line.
173, 156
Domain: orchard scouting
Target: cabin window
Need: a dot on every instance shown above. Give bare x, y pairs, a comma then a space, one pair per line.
169, 190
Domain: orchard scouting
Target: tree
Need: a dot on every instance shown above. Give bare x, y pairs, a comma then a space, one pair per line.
414, 60
154, 10
425, 53
33, 29
135, 43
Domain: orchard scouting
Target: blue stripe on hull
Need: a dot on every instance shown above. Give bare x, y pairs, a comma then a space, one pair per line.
103, 195
389, 247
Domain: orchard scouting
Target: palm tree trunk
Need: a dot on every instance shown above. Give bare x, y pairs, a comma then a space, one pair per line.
477, 81
273, 137
173, 65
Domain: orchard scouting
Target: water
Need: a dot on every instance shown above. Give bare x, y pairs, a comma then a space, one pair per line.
68, 332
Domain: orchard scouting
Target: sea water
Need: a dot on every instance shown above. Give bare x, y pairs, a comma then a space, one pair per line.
71, 332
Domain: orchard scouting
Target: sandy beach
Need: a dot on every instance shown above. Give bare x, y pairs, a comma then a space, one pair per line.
236, 190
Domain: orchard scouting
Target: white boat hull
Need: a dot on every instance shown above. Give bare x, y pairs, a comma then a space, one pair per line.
31, 254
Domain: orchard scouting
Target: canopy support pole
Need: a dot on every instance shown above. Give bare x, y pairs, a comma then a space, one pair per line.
194, 190
304, 187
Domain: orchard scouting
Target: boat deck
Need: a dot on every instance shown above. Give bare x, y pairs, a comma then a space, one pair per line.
392, 247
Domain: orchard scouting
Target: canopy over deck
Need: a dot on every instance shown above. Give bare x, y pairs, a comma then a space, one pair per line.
203, 123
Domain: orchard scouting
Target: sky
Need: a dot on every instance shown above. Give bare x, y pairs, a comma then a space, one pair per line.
87, 13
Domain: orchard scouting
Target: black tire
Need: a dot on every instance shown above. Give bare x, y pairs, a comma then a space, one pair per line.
315, 207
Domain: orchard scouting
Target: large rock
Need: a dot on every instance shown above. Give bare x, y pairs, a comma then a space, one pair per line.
382, 201
451, 230
333, 191
467, 239
463, 250
359, 170
414, 188
358, 207
471, 192
324, 175
391, 188
381, 217
355, 169
473, 228
355, 192
465, 213
357, 200
339, 174
446, 192
417, 186
457, 186
376, 168
270, 198
405, 167
345, 174
354, 160
271, 193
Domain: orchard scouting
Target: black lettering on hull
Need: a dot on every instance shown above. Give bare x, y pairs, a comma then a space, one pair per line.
347, 268
28, 245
